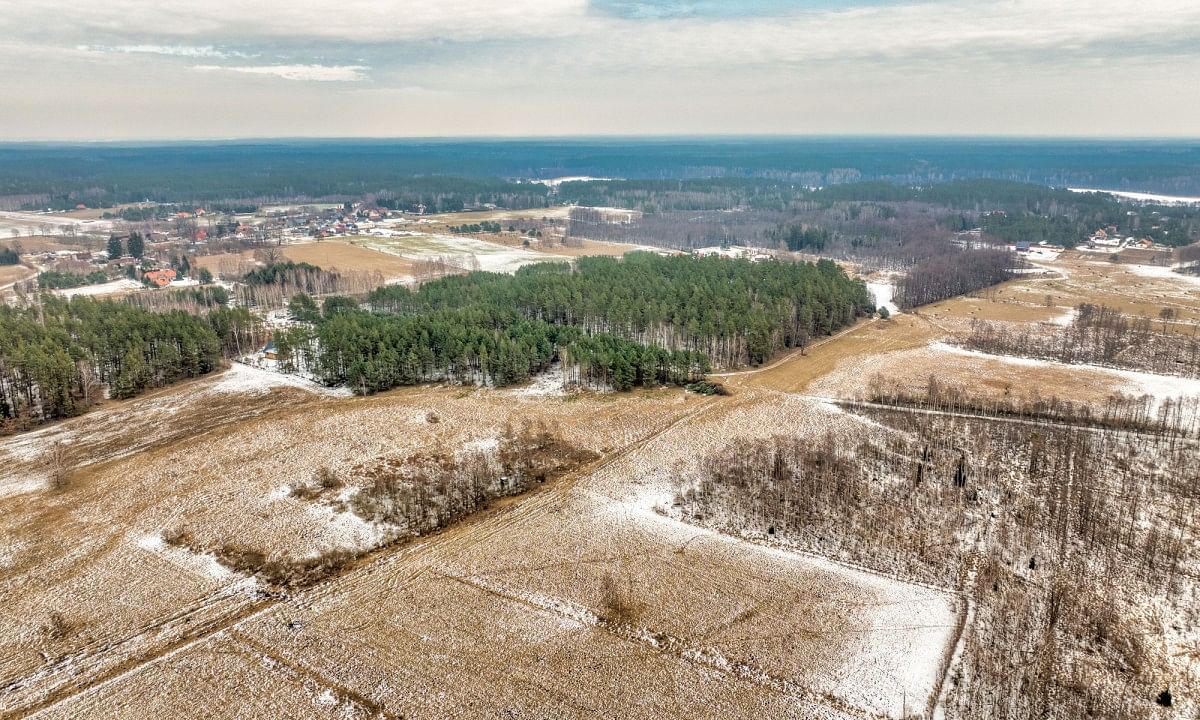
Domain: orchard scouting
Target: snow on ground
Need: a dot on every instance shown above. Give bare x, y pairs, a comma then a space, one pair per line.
1162, 272
555, 182
242, 378
883, 293
202, 563
31, 223
548, 384
897, 655
1066, 318
457, 250
341, 529
108, 288
1160, 387
1144, 197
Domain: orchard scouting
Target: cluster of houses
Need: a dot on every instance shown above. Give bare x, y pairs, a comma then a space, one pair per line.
736, 252
1109, 238
356, 220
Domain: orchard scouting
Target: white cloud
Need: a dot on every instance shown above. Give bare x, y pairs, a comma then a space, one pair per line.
359, 20
185, 51
318, 73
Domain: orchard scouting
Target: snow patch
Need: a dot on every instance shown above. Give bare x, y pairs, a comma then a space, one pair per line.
1160, 387
549, 384
108, 288
883, 293
1163, 272
1143, 197
242, 378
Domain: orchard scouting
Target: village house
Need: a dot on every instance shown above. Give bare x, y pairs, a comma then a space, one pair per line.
160, 278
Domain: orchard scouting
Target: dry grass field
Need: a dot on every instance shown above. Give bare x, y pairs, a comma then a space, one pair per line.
10, 274
101, 613
580, 598
327, 255
348, 256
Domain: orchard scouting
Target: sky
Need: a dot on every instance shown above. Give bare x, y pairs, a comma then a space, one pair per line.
167, 69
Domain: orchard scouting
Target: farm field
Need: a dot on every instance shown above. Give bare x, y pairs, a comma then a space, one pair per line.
464, 251
16, 224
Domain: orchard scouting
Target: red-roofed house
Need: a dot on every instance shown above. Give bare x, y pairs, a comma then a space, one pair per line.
161, 278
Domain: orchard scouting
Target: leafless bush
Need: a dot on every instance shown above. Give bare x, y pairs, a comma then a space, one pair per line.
58, 466
617, 601
56, 627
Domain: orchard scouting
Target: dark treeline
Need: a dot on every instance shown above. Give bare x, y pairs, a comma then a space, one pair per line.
956, 272
874, 235
9, 256
371, 352
1057, 535
640, 321
1098, 335
877, 224
57, 358
100, 175
734, 312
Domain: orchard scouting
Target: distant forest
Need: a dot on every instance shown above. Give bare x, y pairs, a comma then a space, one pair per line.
52, 175
878, 224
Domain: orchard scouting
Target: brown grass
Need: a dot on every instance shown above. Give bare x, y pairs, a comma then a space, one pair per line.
41, 243
797, 371
340, 255
15, 273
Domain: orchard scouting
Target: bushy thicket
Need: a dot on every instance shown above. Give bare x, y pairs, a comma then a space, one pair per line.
1058, 535
953, 273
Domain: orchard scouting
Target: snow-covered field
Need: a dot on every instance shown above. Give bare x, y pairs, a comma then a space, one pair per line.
1160, 387
1163, 272
462, 251
109, 288
722, 627
29, 223
1144, 197
243, 378
555, 182
883, 293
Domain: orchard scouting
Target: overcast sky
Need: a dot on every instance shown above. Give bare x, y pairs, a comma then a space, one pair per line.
158, 69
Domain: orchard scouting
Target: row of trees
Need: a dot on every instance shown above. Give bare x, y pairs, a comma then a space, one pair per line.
272, 285
59, 279
371, 352
1098, 335
134, 245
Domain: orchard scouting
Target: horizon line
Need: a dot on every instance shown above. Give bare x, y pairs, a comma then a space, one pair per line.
593, 137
